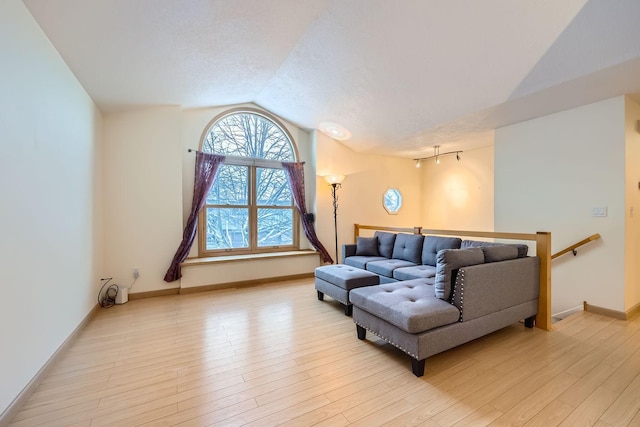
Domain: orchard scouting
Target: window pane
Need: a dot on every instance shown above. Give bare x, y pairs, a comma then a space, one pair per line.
275, 227
230, 186
273, 188
227, 228
248, 135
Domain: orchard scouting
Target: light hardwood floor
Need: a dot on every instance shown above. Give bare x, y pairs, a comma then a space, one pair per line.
274, 354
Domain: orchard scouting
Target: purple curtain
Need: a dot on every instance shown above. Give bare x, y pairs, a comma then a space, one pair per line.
206, 168
295, 176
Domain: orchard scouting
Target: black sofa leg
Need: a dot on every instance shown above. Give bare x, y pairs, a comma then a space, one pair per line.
348, 310
417, 366
529, 322
320, 296
362, 332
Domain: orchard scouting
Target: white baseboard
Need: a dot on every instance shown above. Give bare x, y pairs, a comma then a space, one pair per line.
567, 313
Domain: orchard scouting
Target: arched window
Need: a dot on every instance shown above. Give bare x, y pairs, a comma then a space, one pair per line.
249, 208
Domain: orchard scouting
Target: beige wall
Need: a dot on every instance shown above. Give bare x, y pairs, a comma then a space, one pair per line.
458, 195
50, 192
360, 198
632, 211
143, 190
549, 174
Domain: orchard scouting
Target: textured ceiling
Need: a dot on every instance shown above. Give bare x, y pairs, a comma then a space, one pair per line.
401, 76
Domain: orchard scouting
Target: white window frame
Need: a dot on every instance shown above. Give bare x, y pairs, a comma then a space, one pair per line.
253, 164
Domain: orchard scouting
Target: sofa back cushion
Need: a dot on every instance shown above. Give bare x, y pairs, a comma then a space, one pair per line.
433, 244
449, 261
499, 253
385, 243
522, 248
408, 247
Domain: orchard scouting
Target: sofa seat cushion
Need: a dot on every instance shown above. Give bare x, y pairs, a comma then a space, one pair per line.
385, 267
410, 305
361, 261
417, 272
345, 276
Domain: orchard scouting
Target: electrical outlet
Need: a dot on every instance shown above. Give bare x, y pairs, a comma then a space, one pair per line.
136, 273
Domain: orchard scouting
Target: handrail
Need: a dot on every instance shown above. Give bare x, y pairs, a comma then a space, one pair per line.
575, 246
543, 252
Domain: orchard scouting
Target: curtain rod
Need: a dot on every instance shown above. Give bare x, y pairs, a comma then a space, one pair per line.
191, 150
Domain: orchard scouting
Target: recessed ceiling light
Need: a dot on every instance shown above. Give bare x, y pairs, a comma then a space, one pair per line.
334, 130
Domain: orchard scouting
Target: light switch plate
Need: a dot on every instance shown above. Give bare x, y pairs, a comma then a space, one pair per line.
599, 211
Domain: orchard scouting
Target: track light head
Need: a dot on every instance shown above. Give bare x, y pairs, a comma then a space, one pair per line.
436, 156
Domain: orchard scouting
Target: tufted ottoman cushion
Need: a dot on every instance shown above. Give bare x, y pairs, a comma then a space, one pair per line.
410, 305
338, 280
346, 277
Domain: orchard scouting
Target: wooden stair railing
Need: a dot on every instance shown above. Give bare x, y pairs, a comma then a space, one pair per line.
575, 246
543, 251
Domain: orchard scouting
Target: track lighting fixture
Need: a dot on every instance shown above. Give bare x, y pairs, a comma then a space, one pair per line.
437, 154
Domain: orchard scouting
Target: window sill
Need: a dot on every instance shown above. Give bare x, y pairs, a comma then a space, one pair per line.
235, 258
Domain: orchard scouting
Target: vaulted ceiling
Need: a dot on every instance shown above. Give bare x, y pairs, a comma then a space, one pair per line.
400, 76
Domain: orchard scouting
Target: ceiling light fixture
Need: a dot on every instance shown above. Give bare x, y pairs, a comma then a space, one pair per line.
334, 130
437, 154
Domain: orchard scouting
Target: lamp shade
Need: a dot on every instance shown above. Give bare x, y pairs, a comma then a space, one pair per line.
334, 179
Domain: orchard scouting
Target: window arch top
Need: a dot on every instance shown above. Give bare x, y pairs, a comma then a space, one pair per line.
248, 134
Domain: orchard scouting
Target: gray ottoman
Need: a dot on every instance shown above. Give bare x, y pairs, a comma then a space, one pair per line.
337, 280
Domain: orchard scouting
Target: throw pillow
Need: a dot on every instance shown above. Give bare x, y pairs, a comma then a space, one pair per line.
367, 246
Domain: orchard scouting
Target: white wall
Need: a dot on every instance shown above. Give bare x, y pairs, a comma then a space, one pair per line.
549, 174
368, 176
458, 195
632, 211
49, 221
143, 194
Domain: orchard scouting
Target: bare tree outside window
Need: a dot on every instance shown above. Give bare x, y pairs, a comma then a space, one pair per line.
249, 207
249, 135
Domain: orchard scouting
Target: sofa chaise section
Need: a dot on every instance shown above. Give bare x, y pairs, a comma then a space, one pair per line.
476, 291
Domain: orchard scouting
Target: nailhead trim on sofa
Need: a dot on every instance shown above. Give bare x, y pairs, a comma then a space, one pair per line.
388, 340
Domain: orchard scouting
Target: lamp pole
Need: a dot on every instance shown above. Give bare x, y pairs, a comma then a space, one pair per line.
334, 187
334, 181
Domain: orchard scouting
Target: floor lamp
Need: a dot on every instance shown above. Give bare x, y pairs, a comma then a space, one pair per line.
335, 181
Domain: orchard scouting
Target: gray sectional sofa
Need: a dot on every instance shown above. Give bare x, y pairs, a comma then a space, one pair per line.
436, 293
